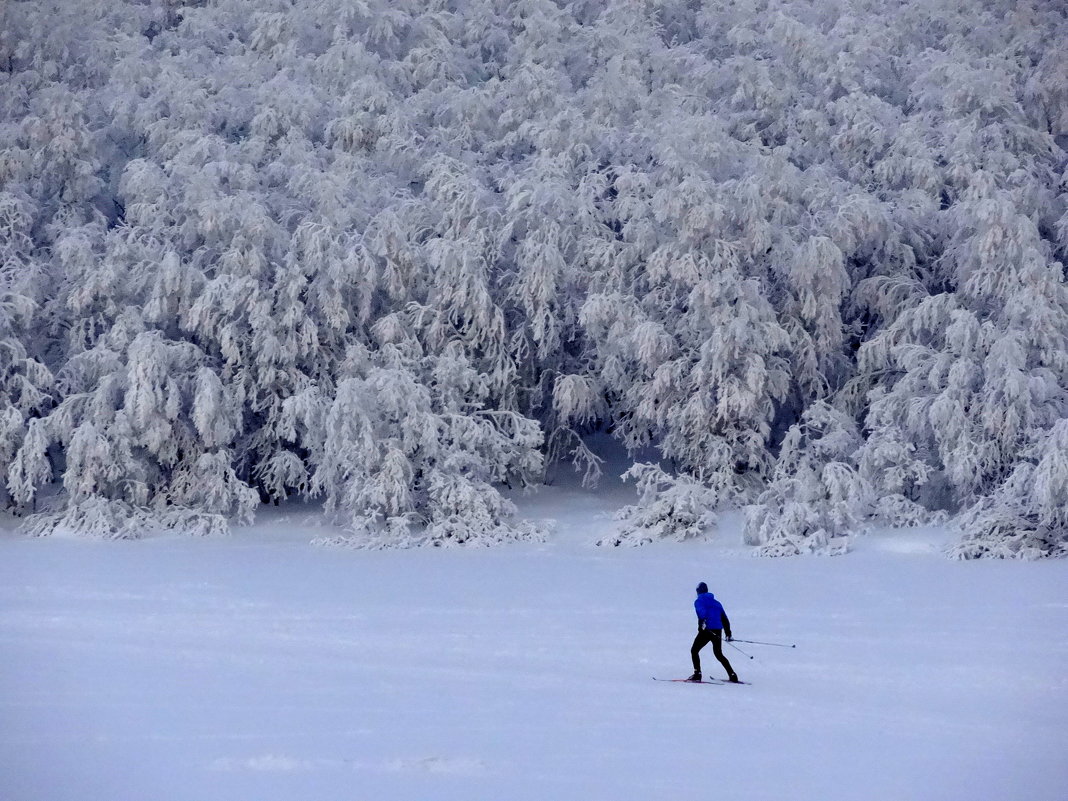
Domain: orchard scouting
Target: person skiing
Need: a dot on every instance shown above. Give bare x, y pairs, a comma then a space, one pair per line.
711, 623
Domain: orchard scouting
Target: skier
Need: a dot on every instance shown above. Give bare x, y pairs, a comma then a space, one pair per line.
711, 623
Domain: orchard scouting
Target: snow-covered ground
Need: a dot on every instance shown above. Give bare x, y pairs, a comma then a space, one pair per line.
259, 667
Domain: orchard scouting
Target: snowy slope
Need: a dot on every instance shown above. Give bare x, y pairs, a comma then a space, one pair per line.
258, 667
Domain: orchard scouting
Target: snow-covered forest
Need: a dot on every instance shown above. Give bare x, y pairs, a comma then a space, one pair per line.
401, 254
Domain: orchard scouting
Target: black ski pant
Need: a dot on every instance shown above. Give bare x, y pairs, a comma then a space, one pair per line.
703, 638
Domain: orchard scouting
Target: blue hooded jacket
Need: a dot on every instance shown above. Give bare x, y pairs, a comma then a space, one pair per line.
710, 611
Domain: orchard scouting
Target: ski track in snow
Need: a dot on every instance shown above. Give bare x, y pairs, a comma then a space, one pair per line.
259, 667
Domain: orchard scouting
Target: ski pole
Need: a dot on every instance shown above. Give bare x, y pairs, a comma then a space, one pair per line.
739, 650
776, 644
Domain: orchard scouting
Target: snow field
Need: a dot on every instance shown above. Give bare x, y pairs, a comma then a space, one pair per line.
258, 667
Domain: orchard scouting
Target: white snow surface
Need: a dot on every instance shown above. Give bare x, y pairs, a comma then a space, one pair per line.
260, 667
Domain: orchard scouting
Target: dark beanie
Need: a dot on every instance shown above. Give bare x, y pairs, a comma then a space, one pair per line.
702, 587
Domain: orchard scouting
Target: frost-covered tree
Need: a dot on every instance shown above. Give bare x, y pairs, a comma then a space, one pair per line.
405, 460
396, 253
25, 382
980, 371
1027, 516
670, 507
816, 498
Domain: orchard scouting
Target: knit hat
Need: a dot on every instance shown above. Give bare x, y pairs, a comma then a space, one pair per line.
702, 587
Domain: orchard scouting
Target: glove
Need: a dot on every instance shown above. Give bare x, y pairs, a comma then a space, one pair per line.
729, 637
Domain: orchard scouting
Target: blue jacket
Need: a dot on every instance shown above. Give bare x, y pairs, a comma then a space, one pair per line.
710, 612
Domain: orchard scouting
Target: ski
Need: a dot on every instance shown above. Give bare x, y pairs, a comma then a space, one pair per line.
687, 681
703, 681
